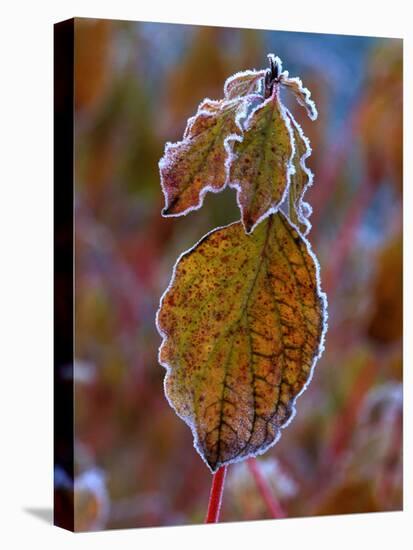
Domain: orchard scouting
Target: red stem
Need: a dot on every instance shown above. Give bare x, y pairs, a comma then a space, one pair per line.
215, 496
274, 507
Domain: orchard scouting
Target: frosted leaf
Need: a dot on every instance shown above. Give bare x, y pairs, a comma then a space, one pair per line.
302, 94
244, 83
260, 163
197, 164
243, 324
301, 179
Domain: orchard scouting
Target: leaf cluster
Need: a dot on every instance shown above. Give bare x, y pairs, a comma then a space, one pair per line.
243, 319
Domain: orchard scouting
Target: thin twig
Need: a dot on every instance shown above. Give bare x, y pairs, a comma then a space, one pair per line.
272, 503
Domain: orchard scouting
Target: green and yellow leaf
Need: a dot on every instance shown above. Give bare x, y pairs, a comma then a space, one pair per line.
260, 162
242, 322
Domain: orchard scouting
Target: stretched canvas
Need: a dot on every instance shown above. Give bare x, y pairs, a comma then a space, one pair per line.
228, 274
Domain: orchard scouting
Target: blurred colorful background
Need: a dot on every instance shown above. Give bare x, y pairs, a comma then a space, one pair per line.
136, 85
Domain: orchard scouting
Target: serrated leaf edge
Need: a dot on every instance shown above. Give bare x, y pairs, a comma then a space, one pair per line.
249, 72
300, 204
307, 102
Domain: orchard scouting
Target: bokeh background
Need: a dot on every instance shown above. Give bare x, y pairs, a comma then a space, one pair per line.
136, 85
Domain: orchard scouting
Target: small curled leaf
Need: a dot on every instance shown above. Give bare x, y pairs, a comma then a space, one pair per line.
242, 322
302, 94
244, 83
260, 163
301, 179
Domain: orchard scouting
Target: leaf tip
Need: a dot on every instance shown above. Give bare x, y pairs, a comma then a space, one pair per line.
248, 226
173, 208
213, 465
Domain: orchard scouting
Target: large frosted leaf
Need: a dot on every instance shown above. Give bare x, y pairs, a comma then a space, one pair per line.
260, 163
197, 164
242, 325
